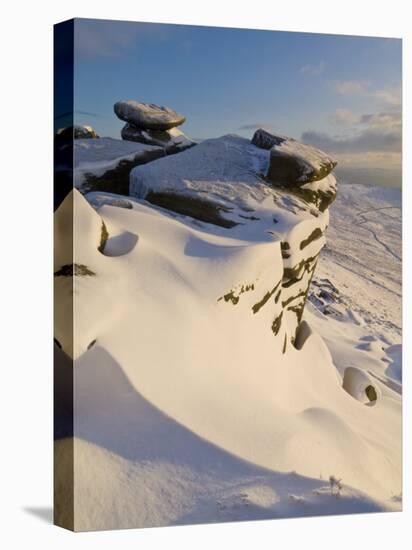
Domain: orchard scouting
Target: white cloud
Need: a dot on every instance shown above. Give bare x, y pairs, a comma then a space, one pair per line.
392, 96
313, 70
369, 140
343, 117
389, 96
371, 159
346, 87
382, 120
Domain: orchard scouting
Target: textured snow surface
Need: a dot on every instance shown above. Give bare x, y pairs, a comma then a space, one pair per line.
187, 409
89, 152
224, 168
227, 171
363, 257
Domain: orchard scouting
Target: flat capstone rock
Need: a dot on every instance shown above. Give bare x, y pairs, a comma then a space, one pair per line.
293, 163
148, 115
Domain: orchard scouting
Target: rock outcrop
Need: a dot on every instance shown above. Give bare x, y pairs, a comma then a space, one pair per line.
173, 140
104, 164
223, 184
152, 125
292, 162
298, 167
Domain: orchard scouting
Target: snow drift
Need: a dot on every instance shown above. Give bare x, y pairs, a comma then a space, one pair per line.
193, 369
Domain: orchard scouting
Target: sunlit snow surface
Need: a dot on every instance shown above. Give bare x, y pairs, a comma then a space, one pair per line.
186, 409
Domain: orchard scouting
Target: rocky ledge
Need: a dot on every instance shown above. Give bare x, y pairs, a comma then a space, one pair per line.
270, 189
299, 168
104, 164
228, 186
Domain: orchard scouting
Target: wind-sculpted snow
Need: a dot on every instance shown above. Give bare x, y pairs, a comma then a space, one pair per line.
221, 182
138, 467
204, 389
199, 323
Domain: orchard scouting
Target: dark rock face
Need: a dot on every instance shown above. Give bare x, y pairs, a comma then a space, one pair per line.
201, 209
104, 164
151, 137
300, 168
321, 193
172, 140
148, 115
293, 163
286, 168
265, 140
116, 180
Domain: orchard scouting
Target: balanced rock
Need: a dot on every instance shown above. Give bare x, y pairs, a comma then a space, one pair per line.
293, 163
148, 115
172, 140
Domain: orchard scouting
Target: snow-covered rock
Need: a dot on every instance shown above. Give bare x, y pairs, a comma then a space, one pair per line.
148, 115
104, 164
205, 389
360, 385
300, 168
293, 163
172, 140
76, 132
220, 182
188, 406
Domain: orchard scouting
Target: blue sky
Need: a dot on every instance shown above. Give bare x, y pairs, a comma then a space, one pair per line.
341, 93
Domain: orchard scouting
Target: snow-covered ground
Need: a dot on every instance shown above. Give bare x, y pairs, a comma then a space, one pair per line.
358, 282
186, 407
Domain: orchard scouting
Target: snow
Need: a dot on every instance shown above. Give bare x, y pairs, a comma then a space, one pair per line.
211, 167
363, 256
224, 170
187, 410
137, 467
178, 137
325, 184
